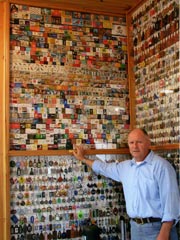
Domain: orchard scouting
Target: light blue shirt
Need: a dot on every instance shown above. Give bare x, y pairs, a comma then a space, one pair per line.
150, 188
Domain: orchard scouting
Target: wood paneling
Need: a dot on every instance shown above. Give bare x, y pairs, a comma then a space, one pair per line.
111, 7
1, 121
4, 176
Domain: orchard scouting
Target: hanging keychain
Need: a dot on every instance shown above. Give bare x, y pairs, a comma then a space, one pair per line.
122, 228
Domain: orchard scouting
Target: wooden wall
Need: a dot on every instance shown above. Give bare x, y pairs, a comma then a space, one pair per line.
1, 120
4, 72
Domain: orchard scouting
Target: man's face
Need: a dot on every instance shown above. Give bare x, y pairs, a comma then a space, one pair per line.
139, 144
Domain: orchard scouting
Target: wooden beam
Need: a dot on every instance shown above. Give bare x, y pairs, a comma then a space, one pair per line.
4, 169
82, 6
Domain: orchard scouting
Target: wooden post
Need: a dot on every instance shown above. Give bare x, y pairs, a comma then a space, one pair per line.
4, 96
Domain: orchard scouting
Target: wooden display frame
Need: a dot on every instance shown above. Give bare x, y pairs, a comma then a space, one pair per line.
167, 145
98, 140
4, 170
6, 154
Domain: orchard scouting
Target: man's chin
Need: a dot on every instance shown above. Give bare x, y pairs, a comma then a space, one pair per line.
135, 154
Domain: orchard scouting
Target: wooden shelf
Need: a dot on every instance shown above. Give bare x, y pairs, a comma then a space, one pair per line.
68, 152
89, 151
166, 147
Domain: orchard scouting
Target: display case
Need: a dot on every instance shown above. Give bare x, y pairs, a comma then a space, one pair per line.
75, 77
55, 197
68, 85
68, 80
153, 28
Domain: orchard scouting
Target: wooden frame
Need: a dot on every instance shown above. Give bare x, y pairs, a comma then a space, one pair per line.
4, 117
4, 108
131, 70
2, 151
78, 6
45, 149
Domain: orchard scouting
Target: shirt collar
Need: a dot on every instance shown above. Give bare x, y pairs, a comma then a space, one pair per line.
148, 159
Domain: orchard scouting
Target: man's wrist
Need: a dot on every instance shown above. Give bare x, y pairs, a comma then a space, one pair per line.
84, 160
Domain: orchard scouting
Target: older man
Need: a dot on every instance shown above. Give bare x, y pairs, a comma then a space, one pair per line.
150, 188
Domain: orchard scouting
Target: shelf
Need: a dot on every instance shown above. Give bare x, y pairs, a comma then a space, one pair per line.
89, 152
166, 147
68, 152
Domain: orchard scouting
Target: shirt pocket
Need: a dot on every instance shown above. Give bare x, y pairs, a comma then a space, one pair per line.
150, 188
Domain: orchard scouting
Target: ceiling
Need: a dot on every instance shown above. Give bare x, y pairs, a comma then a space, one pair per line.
112, 7
105, 6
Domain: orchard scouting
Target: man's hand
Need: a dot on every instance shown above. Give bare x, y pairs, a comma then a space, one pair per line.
79, 152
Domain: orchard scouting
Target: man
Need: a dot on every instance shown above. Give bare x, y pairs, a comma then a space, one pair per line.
150, 188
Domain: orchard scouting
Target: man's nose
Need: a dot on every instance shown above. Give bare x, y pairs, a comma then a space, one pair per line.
135, 144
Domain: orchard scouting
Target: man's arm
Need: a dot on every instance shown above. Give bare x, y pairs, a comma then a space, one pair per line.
169, 195
164, 233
